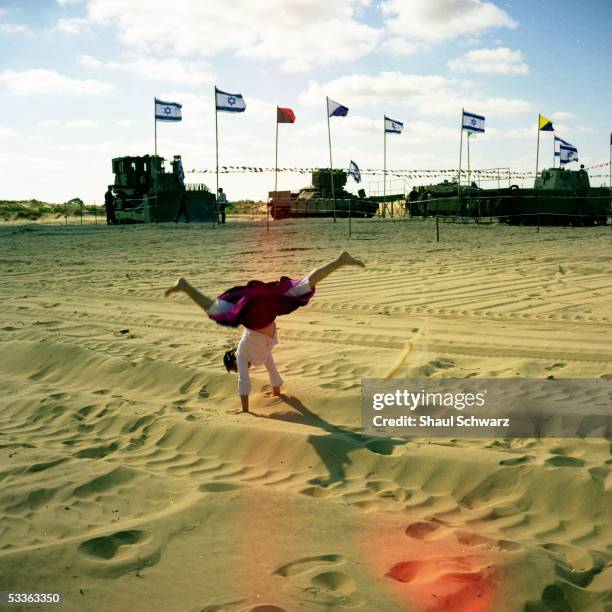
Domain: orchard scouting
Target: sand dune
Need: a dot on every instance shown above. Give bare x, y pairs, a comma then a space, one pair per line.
130, 482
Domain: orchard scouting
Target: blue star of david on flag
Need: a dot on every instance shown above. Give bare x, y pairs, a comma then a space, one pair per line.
472, 122
167, 111
229, 103
392, 126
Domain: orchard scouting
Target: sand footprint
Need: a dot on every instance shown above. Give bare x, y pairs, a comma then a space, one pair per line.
320, 580
220, 487
118, 553
564, 461
97, 452
459, 583
422, 530
233, 604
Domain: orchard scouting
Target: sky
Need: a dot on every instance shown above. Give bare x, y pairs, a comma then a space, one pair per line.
78, 79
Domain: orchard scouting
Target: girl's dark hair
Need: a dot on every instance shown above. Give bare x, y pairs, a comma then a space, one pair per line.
229, 360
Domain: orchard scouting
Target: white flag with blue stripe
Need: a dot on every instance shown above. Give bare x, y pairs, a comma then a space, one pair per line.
472, 122
560, 141
354, 171
392, 126
567, 153
167, 111
229, 103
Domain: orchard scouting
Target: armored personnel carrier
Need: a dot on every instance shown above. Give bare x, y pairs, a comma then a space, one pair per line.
316, 201
146, 193
558, 197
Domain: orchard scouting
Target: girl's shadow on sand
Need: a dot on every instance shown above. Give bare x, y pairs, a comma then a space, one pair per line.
334, 447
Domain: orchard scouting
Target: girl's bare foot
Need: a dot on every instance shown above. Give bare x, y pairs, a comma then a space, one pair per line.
346, 259
178, 286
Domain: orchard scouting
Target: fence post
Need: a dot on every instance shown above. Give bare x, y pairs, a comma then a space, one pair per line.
538, 230
81, 207
437, 229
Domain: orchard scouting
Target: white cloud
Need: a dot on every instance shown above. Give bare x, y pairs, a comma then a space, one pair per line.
368, 89
296, 35
7, 27
42, 81
501, 60
170, 70
563, 115
437, 20
71, 123
14, 28
401, 46
524, 133
6, 132
425, 94
74, 25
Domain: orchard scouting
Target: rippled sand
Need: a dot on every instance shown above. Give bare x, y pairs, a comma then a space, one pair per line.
129, 482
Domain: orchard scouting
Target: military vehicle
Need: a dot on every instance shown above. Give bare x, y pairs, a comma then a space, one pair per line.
146, 193
316, 201
558, 197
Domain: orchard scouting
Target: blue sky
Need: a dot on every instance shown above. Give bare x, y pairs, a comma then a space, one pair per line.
78, 77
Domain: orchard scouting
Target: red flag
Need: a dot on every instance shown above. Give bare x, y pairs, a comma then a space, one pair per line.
284, 115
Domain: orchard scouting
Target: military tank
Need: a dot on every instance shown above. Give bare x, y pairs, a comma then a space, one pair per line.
146, 193
317, 201
558, 197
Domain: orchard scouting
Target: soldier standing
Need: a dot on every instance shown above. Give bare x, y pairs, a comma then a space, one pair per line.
109, 205
221, 203
182, 209
413, 196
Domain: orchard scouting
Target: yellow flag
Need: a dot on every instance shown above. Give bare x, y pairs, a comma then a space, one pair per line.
545, 125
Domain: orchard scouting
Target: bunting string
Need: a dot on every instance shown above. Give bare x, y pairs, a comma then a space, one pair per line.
482, 174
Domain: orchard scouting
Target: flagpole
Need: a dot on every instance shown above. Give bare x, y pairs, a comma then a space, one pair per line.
154, 167
468, 156
538, 148
459, 173
276, 155
384, 168
155, 124
215, 211
331, 165
275, 175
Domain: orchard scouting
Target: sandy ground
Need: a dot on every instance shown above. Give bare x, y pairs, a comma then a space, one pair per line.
129, 482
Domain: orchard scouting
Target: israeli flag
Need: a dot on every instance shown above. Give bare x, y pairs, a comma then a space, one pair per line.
167, 111
334, 109
229, 103
392, 126
568, 153
563, 142
472, 122
354, 171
